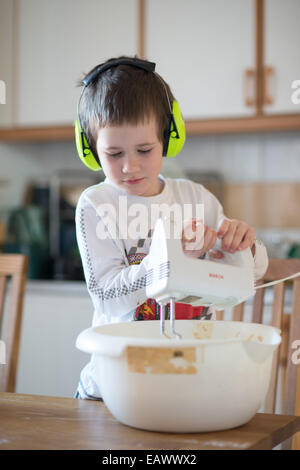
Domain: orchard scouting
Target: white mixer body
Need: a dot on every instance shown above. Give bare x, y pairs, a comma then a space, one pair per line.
172, 274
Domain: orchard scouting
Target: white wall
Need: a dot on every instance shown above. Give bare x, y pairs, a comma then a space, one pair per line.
253, 157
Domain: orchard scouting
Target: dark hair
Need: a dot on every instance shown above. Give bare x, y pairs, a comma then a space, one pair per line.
124, 94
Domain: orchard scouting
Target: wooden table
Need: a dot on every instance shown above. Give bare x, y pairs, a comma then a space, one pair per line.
39, 422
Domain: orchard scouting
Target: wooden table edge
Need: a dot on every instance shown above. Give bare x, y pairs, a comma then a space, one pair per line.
290, 424
288, 431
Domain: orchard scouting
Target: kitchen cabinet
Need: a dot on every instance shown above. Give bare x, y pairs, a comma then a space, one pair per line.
203, 50
54, 314
280, 208
223, 60
58, 41
281, 55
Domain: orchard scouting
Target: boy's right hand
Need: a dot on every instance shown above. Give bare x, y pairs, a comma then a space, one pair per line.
197, 239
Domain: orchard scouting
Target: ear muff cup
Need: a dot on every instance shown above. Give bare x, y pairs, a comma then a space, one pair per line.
174, 135
83, 149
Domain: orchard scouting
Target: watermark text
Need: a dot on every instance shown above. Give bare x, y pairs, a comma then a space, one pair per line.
296, 94
137, 221
2, 352
296, 354
2, 92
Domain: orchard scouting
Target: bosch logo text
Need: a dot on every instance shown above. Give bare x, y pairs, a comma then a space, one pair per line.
216, 276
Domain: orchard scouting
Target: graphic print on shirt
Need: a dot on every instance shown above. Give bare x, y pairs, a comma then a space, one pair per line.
150, 309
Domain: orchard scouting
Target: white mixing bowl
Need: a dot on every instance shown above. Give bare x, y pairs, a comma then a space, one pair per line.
216, 377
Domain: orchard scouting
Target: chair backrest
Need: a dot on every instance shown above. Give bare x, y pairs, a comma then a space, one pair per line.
14, 267
289, 323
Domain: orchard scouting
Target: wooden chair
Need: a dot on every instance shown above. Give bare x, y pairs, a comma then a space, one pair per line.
290, 327
14, 267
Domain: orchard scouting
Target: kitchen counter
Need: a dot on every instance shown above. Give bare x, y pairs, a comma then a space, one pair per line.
54, 314
77, 288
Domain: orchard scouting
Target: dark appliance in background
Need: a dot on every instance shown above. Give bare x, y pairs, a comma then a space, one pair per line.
212, 180
26, 234
65, 189
57, 199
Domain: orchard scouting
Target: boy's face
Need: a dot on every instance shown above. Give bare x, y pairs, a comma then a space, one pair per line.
131, 157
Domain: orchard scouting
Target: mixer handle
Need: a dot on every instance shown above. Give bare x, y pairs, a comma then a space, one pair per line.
239, 258
218, 245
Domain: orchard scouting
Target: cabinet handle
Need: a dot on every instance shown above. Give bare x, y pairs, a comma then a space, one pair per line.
249, 83
268, 73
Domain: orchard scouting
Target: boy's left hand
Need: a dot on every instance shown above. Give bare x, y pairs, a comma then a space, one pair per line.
235, 235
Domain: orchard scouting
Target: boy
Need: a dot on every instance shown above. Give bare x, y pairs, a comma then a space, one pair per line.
125, 112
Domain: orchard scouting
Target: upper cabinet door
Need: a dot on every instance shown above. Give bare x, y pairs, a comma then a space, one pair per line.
281, 55
203, 49
58, 41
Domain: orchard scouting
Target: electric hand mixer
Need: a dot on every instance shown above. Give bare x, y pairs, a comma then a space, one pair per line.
173, 276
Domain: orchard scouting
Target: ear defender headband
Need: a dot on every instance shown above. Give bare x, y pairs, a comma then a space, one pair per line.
173, 136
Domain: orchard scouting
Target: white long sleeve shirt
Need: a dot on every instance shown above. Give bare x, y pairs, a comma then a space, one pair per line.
115, 259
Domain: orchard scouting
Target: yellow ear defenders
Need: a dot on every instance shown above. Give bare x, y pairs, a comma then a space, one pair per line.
174, 134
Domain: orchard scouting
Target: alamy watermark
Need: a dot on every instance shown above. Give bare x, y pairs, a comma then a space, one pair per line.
296, 354
2, 352
296, 94
2, 92
138, 221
